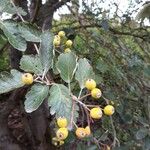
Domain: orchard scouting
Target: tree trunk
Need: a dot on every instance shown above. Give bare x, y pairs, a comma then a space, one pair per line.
19, 130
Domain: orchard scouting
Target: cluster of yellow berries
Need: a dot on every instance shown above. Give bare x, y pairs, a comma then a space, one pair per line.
90, 84
62, 132
57, 41
96, 112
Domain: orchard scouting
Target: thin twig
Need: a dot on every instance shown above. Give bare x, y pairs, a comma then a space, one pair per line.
36, 48
82, 104
75, 124
17, 11
85, 96
72, 114
80, 93
114, 134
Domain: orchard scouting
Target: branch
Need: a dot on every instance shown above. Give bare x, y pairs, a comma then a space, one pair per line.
34, 10
59, 4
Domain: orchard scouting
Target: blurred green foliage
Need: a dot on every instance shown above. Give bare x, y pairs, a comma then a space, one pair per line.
4, 57
122, 67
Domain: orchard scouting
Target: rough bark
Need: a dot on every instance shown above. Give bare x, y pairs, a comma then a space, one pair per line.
19, 130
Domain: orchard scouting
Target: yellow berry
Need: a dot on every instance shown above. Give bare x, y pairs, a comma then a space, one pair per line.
109, 110
61, 34
62, 122
62, 133
90, 84
96, 113
87, 130
27, 78
67, 50
57, 37
61, 142
56, 42
69, 43
96, 93
55, 141
80, 132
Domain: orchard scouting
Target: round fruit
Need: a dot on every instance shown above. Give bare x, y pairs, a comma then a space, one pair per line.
88, 131
109, 110
90, 84
27, 78
67, 50
96, 113
62, 133
80, 132
69, 43
61, 142
56, 42
61, 34
62, 122
96, 93
57, 37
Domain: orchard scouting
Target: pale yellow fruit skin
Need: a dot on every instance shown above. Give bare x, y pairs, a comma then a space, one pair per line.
61, 143
61, 34
57, 141
96, 93
80, 133
90, 84
27, 78
67, 50
62, 122
96, 113
87, 130
109, 110
56, 42
69, 43
62, 133
57, 37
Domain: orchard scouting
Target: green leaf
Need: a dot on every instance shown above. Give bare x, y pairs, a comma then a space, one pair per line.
3, 41
29, 32
146, 145
66, 66
60, 102
102, 66
141, 133
84, 72
7, 7
10, 29
35, 97
147, 71
104, 136
9, 82
46, 50
31, 63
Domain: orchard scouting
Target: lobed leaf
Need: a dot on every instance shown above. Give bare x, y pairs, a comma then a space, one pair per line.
66, 66
46, 50
60, 102
10, 81
29, 32
35, 97
10, 29
7, 7
31, 63
84, 72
